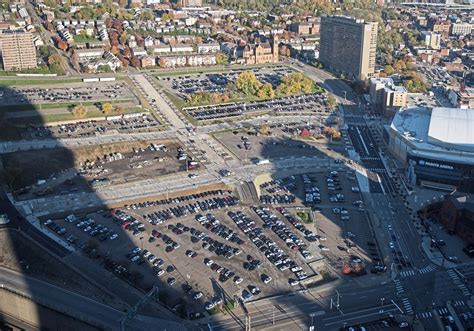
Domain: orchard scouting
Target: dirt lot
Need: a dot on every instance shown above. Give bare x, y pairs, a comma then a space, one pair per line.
77, 169
20, 254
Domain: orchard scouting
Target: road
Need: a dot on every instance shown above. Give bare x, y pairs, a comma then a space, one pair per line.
416, 291
162, 105
76, 305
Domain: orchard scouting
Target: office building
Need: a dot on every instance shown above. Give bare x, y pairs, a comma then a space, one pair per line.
18, 50
348, 46
436, 145
386, 97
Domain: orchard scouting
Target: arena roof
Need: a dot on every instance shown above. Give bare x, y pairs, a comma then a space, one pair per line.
451, 127
431, 131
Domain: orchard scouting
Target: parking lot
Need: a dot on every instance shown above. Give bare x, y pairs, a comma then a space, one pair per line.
184, 85
203, 245
74, 92
280, 142
129, 123
335, 213
297, 105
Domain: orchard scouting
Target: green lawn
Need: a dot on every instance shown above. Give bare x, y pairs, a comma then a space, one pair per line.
64, 105
83, 39
304, 216
33, 81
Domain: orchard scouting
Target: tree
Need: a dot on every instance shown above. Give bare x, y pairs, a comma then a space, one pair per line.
264, 129
127, 52
46, 51
389, 70
119, 109
134, 62
165, 17
332, 102
295, 83
247, 83
162, 62
62, 45
54, 59
266, 91
106, 108
79, 111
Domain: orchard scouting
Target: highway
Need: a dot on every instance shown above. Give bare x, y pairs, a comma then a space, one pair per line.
76, 305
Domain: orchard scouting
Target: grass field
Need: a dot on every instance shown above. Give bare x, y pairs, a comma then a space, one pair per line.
33, 81
67, 116
65, 105
83, 39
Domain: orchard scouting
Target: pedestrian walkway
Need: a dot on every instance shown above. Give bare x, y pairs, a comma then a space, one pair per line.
407, 273
426, 314
455, 277
399, 286
429, 268
407, 305
458, 303
443, 311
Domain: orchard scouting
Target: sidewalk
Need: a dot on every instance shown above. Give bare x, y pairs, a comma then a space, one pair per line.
435, 257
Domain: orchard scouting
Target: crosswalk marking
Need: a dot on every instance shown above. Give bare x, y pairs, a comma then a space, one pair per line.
407, 305
426, 314
454, 276
399, 286
429, 268
464, 290
443, 311
459, 303
407, 273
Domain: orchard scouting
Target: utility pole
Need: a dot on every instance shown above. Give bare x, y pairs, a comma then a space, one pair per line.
134, 310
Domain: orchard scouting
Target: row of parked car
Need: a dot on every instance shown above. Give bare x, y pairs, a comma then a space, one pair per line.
281, 230
161, 216
308, 234
214, 225
277, 199
266, 245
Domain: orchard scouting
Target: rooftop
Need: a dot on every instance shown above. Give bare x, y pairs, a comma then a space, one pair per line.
438, 132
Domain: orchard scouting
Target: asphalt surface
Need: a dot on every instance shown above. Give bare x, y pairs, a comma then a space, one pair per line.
418, 292
77, 305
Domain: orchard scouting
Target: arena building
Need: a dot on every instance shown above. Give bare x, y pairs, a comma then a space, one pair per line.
436, 145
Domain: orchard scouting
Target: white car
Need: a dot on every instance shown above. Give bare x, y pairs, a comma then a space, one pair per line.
209, 263
209, 305
390, 227
197, 295
267, 280
294, 282
238, 280
160, 272
391, 245
193, 175
114, 236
